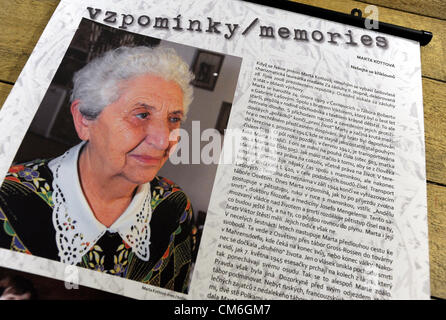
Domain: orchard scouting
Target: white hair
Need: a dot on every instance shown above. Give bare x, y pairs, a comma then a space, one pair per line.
96, 84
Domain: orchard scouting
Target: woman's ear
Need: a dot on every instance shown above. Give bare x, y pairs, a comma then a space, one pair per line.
81, 123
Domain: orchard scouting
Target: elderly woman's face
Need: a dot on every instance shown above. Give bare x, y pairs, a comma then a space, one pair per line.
131, 135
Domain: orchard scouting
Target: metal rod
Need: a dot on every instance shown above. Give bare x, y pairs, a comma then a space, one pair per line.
423, 37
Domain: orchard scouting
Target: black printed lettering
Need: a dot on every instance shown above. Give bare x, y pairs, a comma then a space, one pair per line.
333, 35
93, 14
193, 23
110, 17
127, 19
266, 32
213, 26
161, 23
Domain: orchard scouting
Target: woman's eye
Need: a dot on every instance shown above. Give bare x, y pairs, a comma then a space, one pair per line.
142, 115
175, 119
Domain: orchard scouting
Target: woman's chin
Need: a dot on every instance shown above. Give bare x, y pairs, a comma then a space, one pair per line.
139, 170
141, 179
143, 174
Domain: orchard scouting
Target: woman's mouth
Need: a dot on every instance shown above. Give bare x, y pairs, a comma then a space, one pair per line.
147, 160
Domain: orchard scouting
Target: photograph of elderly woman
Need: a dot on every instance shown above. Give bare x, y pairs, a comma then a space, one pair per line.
92, 184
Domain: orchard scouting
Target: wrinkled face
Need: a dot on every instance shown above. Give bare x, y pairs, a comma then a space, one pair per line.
130, 137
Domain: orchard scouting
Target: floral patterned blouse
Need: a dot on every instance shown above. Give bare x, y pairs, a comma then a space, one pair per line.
26, 207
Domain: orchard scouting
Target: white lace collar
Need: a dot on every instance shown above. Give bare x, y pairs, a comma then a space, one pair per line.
77, 229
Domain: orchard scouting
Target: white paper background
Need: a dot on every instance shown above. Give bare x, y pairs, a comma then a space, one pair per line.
411, 265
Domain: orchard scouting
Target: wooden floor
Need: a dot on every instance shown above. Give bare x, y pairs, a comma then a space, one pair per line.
22, 22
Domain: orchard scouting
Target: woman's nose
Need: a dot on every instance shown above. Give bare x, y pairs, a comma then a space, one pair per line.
158, 134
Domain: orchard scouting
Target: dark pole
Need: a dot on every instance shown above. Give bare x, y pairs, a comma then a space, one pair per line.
423, 37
